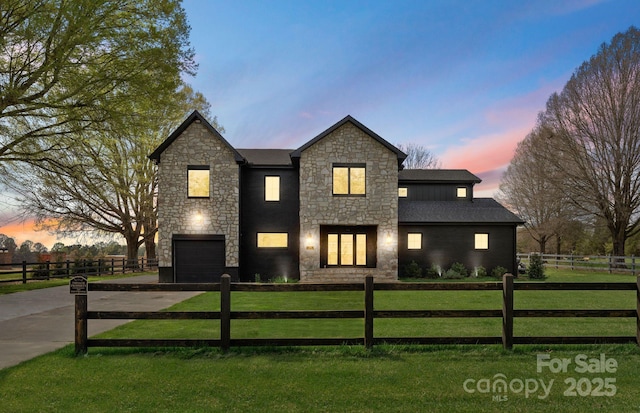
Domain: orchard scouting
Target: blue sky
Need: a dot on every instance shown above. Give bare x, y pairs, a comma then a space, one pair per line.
466, 79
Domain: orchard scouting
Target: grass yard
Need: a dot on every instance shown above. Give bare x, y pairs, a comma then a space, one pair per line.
344, 379
347, 379
57, 282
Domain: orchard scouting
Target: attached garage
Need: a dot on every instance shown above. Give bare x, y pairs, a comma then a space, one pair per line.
198, 258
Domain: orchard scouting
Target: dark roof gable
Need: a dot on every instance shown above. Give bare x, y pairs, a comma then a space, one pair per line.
401, 155
438, 176
194, 117
266, 157
480, 211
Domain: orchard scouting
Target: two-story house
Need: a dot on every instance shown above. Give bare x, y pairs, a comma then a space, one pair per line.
336, 209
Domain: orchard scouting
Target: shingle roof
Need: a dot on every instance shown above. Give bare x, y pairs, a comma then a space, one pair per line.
481, 210
267, 157
438, 175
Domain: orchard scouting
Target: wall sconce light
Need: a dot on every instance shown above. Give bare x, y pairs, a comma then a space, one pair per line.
388, 239
309, 241
199, 218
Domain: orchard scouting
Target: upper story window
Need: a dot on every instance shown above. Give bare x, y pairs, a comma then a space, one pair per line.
272, 188
403, 192
198, 179
349, 179
461, 192
481, 241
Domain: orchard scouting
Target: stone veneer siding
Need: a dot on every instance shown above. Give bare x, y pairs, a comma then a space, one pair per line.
348, 144
221, 211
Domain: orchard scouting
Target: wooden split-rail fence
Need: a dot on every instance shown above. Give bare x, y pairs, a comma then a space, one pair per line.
368, 314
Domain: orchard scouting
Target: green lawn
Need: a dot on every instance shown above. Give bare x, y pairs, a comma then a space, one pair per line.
345, 379
57, 282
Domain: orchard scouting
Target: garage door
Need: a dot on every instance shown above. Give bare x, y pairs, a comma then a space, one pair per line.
198, 259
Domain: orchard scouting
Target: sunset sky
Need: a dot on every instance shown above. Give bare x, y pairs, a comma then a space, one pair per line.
466, 79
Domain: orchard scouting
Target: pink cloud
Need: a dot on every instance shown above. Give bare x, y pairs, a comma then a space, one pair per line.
507, 123
23, 231
485, 153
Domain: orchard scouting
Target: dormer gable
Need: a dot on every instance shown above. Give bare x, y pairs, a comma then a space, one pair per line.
197, 118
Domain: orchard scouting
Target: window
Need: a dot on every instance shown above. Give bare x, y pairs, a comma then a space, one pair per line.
348, 246
271, 188
402, 192
273, 240
198, 181
482, 241
347, 249
414, 241
349, 180
461, 192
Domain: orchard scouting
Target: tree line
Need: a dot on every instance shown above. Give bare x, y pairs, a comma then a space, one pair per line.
32, 252
577, 173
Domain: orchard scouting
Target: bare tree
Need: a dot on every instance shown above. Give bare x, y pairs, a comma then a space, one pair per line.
418, 157
592, 136
526, 188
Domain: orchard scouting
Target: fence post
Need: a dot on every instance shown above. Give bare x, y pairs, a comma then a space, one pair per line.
24, 272
81, 324
48, 269
124, 265
225, 312
638, 311
633, 265
571, 261
68, 268
368, 312
507, 311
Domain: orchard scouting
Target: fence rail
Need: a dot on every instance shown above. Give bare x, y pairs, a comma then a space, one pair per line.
39, 271
368, 314
606, 263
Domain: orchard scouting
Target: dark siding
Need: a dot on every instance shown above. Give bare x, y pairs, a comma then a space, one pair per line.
445, 244
434, 192
258, 215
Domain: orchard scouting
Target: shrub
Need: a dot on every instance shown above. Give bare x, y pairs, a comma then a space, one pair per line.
433, 271
452, 274
480, 271
40, 273
460, 269
498, 272
413, 270
536, 267
256, 278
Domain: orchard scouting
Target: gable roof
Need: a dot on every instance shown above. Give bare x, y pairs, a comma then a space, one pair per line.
349, 119
267, 157
438, 176
198, 118
480, 211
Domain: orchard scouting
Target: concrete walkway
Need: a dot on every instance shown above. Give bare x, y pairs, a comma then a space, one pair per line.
39, 321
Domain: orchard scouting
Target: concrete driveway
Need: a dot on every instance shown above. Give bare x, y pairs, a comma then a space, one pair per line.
37, 322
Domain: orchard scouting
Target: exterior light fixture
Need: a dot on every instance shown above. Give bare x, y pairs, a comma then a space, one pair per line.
388, 239
199, 218
309, 241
